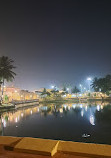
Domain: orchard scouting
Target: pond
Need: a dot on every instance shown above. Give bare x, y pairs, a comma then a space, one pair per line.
82, 122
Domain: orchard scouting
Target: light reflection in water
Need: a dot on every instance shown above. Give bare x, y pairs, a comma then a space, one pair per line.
92, 120
85, 110
82, 113
98, 107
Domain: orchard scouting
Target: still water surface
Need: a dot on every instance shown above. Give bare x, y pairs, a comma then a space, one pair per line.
70, 121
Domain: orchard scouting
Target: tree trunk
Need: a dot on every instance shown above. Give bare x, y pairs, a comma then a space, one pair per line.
2, 128
1, 95
76, 95
102, 98
2, 92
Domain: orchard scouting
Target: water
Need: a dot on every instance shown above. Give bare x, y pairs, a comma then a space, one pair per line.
70, 121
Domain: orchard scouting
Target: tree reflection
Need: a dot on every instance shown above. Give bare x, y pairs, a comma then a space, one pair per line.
45, 110
77, 110
1, 126
104, 115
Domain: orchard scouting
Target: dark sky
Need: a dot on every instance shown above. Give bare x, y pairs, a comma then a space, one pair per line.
56, 41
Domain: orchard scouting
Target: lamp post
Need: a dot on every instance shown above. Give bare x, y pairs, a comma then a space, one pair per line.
1, 92
84, 89
81, 87
67, 90
89, 79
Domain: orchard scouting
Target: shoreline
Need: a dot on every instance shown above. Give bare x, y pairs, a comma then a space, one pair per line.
13, 106
10, 106
76, 100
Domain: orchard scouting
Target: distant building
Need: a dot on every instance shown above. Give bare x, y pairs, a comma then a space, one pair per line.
14, 93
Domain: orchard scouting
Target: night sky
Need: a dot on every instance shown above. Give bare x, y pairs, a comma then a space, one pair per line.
56, 41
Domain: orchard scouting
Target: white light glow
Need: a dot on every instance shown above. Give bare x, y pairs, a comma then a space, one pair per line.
52, 86
89, 79
82, 113
98, 107
86, 108
91, 119
61, 110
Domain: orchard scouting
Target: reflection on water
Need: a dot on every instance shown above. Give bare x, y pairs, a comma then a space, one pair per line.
69, 121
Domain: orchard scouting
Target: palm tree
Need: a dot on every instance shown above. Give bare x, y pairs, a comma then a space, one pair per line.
64, 89
75, 90
108, 82
45, 92
6, 72
102, 84
95, 84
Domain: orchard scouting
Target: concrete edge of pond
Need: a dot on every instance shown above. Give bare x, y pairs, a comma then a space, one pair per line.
37, 146
49, 147
85, 149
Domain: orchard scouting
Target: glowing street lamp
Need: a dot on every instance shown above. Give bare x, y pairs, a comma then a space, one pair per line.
89, 79
52, 86
85, 89
81, 87
67, 89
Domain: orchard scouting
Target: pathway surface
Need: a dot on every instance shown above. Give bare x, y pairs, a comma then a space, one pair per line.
12, 154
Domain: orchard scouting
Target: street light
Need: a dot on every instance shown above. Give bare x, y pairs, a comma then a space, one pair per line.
89, 79
81, 87
52, 86
67, 89
84, 89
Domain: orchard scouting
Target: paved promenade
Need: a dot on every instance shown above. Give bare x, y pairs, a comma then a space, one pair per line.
12, 154
24, 147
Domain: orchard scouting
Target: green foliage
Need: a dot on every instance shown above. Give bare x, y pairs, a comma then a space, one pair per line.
64, 89
63, 93
52, 95
6, 72
6, 118
94, 94
102, 84
107, 93
54, 91
6, 98
45, 93
6, 67
44, 90
75, 90
89, 94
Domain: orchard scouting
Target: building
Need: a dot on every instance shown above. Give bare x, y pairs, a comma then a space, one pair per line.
16, 94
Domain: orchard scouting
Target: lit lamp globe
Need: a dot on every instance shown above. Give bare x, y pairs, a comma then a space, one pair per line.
52, 86
89, 79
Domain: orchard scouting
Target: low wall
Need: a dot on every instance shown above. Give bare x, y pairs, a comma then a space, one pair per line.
26, 104
51, 147
18, 105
